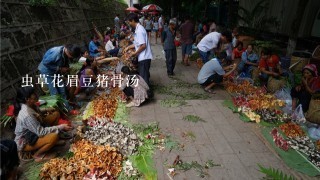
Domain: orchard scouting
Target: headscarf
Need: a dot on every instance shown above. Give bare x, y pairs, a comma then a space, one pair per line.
312, 68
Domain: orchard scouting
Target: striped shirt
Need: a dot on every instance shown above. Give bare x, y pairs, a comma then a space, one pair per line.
27, 120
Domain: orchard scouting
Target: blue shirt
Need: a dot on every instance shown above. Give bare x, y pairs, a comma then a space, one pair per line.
168, 39
52, 60
253, 57
93, 49
210, 68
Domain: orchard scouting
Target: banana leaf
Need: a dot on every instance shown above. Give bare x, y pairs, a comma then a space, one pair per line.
5, 120
55, 101
144, 163
292, 158
75, 67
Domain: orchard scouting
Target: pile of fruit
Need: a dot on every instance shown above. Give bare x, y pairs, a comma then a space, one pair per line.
292, 130
86, 158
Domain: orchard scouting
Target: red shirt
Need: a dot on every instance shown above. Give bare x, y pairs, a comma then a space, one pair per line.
237, 53
264, 63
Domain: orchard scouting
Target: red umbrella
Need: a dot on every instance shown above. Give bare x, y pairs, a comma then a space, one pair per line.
132, 9
153, 12
152, 7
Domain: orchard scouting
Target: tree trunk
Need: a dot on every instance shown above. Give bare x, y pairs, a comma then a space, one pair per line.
295, 26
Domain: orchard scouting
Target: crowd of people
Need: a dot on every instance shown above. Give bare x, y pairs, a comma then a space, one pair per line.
220, 51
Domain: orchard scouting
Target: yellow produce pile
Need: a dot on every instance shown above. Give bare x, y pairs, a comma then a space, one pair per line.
292, 130
244, 88
106, 105
87, 157
263, 101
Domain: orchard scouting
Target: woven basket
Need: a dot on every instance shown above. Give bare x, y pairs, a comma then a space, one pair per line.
313, 114
299, 60
275, 84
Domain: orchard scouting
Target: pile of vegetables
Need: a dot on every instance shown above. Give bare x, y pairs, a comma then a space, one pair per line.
292, 130
87, 158
106, 105
245, 87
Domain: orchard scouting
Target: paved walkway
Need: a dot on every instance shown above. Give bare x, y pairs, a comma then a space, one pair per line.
223, 138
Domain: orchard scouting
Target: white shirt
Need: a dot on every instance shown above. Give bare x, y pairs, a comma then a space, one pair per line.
160, 23
234, 41
141, 20
82, 60
141, 37
209, 42
109, 46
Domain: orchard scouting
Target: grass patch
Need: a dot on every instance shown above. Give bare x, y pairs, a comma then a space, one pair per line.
172, 103
193, 118
200, 169
189, 134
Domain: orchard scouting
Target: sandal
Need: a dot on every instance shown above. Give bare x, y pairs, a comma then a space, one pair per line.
45, 157
209, 91
25, 156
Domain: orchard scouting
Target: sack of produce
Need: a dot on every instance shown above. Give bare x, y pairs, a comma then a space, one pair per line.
313, 114
298, 116
284, 94
275, 84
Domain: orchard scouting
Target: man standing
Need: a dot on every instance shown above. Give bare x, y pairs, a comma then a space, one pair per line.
117, 23
186, 30
56, 61
211, 41
167, 39
142, 47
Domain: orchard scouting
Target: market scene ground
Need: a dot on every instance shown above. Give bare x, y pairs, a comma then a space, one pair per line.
154, 97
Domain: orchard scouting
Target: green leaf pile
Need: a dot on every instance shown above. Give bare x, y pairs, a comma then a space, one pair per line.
172, 103
274, 174
193, 118
144, 163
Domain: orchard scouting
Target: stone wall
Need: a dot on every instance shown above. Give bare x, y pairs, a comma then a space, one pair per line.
28, 31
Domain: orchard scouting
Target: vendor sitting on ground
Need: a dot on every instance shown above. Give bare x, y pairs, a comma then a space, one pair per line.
237, 51
30, 134
88, 76
269, 66
249, 61
212, 73
310, 85
94, 47
134, 87
113, 51
84, 56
